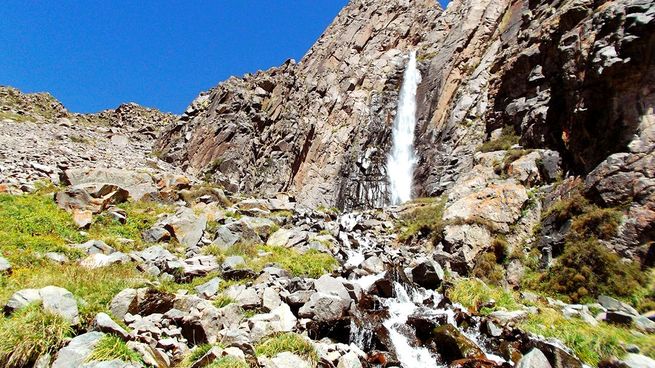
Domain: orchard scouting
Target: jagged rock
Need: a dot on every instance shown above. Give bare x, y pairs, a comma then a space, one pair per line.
151, 356
534, 359
124, 302
327, 284
244, 296
280, 319
103, 323
185, 226
225, 238
209, 289
615, 305
288, 238
77, 350
373, 264
110, 364
349, 360
233, 262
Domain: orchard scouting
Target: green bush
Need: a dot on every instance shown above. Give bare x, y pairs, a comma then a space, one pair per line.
487, 269
507, 139
30, 333
112, 347
601, 223
312, 263
228, 362
587, 269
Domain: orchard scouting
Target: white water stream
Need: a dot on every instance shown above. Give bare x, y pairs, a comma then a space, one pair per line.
401, 161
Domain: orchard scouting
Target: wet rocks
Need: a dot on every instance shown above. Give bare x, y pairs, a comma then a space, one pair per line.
428, 274
534, 359
453, 345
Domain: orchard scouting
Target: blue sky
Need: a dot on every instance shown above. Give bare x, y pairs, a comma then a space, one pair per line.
94, 55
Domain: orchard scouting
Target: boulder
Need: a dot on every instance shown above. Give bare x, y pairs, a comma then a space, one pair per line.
286, 360
327, 284
428, 274
453, 344
349, 360
534, 359
115, 363
324, 307
5, 266
208, 289
287, 238
124, 302
632, 360
77, 350
94, 247
137, 184
52, 298
185, 226
103, 323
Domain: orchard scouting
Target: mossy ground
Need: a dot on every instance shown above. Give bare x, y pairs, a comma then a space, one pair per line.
590, 343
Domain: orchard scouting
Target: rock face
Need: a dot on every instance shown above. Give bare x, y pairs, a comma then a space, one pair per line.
571, 77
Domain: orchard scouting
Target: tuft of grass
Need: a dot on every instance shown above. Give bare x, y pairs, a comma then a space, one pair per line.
228, 362
601, 223
222, 301
291, 342
198, 352
112, 347
423, 220
310, 264
507, 139
30, 333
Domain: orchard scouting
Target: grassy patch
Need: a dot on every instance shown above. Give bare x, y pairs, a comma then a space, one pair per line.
487, 269
228, 362
94, 289
423, 220
30, 333
33, 224
311, 263
291, 342
589, 343
507, 139
140, 217
111, 347
472, 293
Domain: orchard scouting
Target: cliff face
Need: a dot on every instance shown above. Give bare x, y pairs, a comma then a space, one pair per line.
572, 77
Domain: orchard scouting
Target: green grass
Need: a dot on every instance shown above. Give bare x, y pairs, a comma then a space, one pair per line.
228, 362
30, 333
472, 293
589, 343
111, 347
291, 342
312, 263
198, 352
94, 288
33, 224
507, 139
222, 300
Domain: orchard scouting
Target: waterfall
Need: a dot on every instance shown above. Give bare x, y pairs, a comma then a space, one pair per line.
401, 161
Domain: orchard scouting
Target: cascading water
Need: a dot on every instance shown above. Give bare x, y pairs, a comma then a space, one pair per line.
401, 161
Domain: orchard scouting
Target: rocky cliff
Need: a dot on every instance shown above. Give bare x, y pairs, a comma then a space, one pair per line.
573, 77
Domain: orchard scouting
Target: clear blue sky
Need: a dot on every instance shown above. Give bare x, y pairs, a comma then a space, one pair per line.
94, 55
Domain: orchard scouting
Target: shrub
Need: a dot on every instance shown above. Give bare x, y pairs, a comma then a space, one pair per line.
30, 333
291, 342
601, 223
507, 139
567, 208
487, 269
587, 269
112, 347
423, 220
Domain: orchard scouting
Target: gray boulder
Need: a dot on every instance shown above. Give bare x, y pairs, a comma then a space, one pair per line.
638, 361
324, 307
208, 289
5, 267
103, 323
124, 302
76, 352
53, 299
